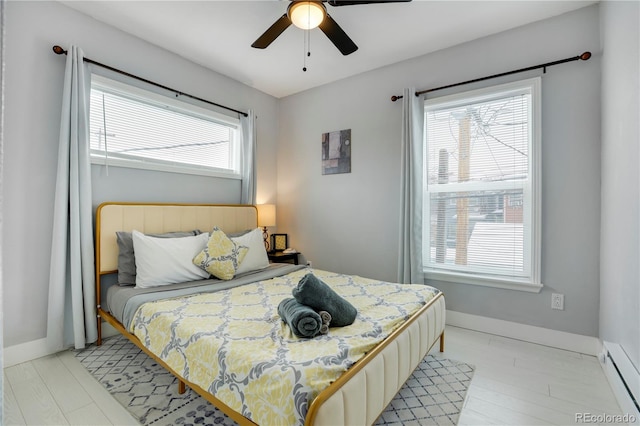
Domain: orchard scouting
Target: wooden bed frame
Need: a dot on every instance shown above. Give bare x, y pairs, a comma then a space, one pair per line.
359, 396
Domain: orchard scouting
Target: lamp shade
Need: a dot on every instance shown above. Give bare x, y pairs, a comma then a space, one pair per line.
306, 14
266, 215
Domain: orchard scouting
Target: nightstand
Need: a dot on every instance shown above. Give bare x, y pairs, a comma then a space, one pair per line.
280, 257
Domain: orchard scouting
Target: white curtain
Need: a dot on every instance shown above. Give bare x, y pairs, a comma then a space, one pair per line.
71, 318
248, 168
410, 250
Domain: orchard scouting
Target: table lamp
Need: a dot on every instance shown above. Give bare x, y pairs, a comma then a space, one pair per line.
266, 217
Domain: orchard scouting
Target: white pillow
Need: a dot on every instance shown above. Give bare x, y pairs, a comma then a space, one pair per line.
161, 261
256, 258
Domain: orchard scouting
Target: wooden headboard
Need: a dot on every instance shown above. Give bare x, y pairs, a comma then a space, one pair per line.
158, 218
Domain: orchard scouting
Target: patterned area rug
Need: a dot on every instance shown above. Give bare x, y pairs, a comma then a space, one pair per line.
433, 395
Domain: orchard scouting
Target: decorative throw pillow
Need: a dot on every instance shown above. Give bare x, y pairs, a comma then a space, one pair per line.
126, 257
161, 261
221, 256
256, 258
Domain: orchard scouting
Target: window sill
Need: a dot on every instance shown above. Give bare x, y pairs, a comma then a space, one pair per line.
494, 282
119, 162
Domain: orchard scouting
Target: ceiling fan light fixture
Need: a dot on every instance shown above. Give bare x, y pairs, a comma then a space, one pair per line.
306, 14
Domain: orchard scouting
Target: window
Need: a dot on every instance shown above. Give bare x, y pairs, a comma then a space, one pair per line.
481, 200
131, 127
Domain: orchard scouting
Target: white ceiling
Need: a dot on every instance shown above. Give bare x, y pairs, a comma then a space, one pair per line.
218, 34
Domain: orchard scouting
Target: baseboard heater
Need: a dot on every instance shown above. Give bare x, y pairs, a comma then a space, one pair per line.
624, 379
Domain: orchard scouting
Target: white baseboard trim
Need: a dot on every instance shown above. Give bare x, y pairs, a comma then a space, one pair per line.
108, 330
17, 354
24, 352
542, 336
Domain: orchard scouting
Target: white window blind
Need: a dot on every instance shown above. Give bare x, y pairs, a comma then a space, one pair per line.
134, 128
481, 215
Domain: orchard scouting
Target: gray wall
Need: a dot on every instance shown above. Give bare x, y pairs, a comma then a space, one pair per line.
33, 97
349, 222
620, 231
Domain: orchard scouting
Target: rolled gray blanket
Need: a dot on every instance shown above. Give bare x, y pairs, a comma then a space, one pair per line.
303, 320
311, 291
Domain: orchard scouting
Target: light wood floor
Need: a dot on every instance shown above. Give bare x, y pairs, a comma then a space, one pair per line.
515, 383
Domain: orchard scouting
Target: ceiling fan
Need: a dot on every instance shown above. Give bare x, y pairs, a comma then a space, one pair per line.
311, 14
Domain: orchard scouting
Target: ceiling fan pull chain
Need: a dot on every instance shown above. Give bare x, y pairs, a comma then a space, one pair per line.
307, 49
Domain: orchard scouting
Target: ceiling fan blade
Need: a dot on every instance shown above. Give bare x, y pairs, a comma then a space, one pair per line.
337, 36
272, 32
355, 2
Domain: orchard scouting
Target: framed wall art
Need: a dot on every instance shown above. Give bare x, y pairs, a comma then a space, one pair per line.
336, 152
279, 242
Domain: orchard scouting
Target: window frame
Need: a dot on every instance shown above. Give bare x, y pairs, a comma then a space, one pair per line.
531, 189
142, 95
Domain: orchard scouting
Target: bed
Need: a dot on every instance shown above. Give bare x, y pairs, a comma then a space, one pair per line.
364, 381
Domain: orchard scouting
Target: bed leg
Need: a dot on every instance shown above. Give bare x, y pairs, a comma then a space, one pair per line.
442, 342
99, 341
182, 387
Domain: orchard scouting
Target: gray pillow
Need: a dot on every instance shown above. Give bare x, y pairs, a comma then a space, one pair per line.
239, 234
126, 256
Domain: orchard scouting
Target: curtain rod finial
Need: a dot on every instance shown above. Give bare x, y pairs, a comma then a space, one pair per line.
395, 98
58, 50
585, 56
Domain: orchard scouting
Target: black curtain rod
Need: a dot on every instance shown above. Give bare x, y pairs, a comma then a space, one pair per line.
584, 57
59, 50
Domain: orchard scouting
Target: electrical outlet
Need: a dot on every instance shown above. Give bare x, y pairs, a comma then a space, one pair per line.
557, 301
309, 264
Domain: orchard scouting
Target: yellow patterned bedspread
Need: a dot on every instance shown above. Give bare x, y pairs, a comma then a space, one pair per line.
233, 343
